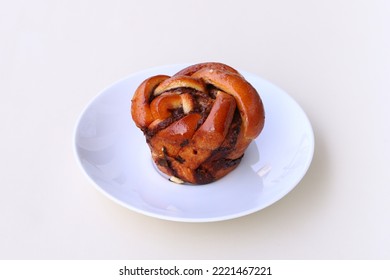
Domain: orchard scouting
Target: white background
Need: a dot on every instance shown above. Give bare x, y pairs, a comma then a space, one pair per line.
331, 56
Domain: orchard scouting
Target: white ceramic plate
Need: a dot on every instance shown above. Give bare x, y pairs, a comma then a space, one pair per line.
113, 153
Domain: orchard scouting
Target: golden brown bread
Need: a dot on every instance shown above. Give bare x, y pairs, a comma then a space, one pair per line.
199, 122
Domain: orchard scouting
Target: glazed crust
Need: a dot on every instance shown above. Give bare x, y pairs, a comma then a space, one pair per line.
140, 108
199, 122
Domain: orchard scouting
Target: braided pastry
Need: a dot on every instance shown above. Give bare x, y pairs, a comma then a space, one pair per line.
199, 122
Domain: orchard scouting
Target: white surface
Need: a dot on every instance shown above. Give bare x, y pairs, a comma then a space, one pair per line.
332, 57
113, 153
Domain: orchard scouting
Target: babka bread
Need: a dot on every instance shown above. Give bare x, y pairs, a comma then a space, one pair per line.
198, 122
